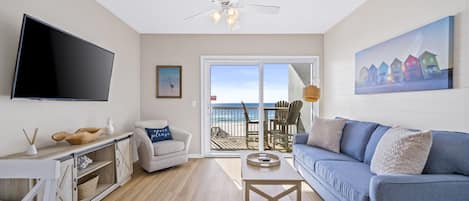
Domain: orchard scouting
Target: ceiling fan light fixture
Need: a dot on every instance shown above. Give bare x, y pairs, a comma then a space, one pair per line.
216, 16
231, 20
232, 12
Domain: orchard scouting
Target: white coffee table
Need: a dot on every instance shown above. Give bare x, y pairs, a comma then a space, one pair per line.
284, 174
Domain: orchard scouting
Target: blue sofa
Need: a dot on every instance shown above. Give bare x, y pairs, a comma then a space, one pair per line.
347, 176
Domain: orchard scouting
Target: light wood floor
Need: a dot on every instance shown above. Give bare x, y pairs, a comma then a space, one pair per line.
208, 179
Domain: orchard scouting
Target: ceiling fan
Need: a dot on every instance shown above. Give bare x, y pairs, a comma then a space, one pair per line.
230, 10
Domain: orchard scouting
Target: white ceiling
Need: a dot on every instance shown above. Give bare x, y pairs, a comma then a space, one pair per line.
167, 16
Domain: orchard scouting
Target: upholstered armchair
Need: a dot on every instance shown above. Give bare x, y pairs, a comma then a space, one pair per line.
164, 154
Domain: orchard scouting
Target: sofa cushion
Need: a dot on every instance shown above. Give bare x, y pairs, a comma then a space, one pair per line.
427, 187
449, 153
167, 147
326, 133
309, 155
355, 138
373, 142
401, 151
350, 179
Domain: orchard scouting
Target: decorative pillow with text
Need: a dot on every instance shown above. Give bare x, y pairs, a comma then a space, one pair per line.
159, 134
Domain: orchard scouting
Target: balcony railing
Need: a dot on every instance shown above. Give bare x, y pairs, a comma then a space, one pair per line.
231, 122
228, 131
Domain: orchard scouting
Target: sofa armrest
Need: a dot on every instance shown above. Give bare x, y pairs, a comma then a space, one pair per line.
143, 144
300, 138
182, 135
419, 188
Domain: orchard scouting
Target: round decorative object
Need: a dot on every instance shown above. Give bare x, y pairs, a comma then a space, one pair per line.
263, 160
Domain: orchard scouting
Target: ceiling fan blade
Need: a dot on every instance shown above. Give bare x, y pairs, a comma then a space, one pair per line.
265, 9
198, 14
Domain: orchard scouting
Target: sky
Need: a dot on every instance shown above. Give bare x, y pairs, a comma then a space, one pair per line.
233, 84
433, 37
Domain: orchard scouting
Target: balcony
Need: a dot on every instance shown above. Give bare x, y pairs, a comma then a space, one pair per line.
228, 130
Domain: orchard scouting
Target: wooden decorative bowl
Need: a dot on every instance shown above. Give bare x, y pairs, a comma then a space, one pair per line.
81, 136
263, 160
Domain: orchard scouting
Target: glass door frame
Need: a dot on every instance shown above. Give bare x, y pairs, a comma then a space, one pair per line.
207, 61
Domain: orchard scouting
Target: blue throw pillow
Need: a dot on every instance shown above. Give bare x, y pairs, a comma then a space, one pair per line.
159, 134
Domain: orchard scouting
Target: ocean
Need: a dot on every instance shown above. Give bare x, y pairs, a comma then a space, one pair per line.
233, 112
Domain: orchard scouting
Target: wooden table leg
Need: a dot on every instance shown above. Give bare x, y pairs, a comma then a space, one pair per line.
298, 191
246, 191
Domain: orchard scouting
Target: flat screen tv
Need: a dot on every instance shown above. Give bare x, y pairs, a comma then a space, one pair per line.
53, 64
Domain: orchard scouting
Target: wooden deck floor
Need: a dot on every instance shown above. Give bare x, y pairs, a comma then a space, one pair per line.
236, 144
231, 143
208, 179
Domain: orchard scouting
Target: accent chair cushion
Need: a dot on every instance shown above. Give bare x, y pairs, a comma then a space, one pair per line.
373, 142
167, 147
449, 153
401, 151
355, 137
326, 133
350, 179
159, 134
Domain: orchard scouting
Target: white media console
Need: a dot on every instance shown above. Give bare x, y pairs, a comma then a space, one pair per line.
112, 162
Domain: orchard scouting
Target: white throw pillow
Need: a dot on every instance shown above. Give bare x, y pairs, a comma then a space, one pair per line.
327, 133
401, 151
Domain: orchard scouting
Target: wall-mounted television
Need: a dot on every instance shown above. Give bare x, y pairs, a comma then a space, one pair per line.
53, 64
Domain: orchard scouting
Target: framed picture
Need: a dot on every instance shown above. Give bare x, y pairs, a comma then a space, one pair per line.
168, 81
421, 59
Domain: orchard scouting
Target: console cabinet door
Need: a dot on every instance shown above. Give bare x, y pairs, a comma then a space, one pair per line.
123, 161
65, 182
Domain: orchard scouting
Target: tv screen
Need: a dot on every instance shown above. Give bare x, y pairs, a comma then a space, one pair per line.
52, 64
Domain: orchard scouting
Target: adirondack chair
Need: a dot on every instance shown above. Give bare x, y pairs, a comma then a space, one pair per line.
280, 115
45, 171
285, 133
251, 135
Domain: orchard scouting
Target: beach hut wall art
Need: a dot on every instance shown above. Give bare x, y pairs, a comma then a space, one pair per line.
421, 59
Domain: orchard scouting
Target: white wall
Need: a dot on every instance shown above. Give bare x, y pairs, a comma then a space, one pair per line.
374, 22
186, 50
88, 20
295, 92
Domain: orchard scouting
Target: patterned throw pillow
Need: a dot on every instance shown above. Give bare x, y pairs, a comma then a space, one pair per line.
159, 134
401, 151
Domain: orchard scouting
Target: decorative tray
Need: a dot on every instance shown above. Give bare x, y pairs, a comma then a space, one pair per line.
263, 160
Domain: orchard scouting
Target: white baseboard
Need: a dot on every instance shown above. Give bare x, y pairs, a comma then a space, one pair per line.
195, 156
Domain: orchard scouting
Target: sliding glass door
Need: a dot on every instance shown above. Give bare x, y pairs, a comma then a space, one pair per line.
234, 102
254, 104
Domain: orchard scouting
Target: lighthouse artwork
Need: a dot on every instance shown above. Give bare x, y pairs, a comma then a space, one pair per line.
418, 60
